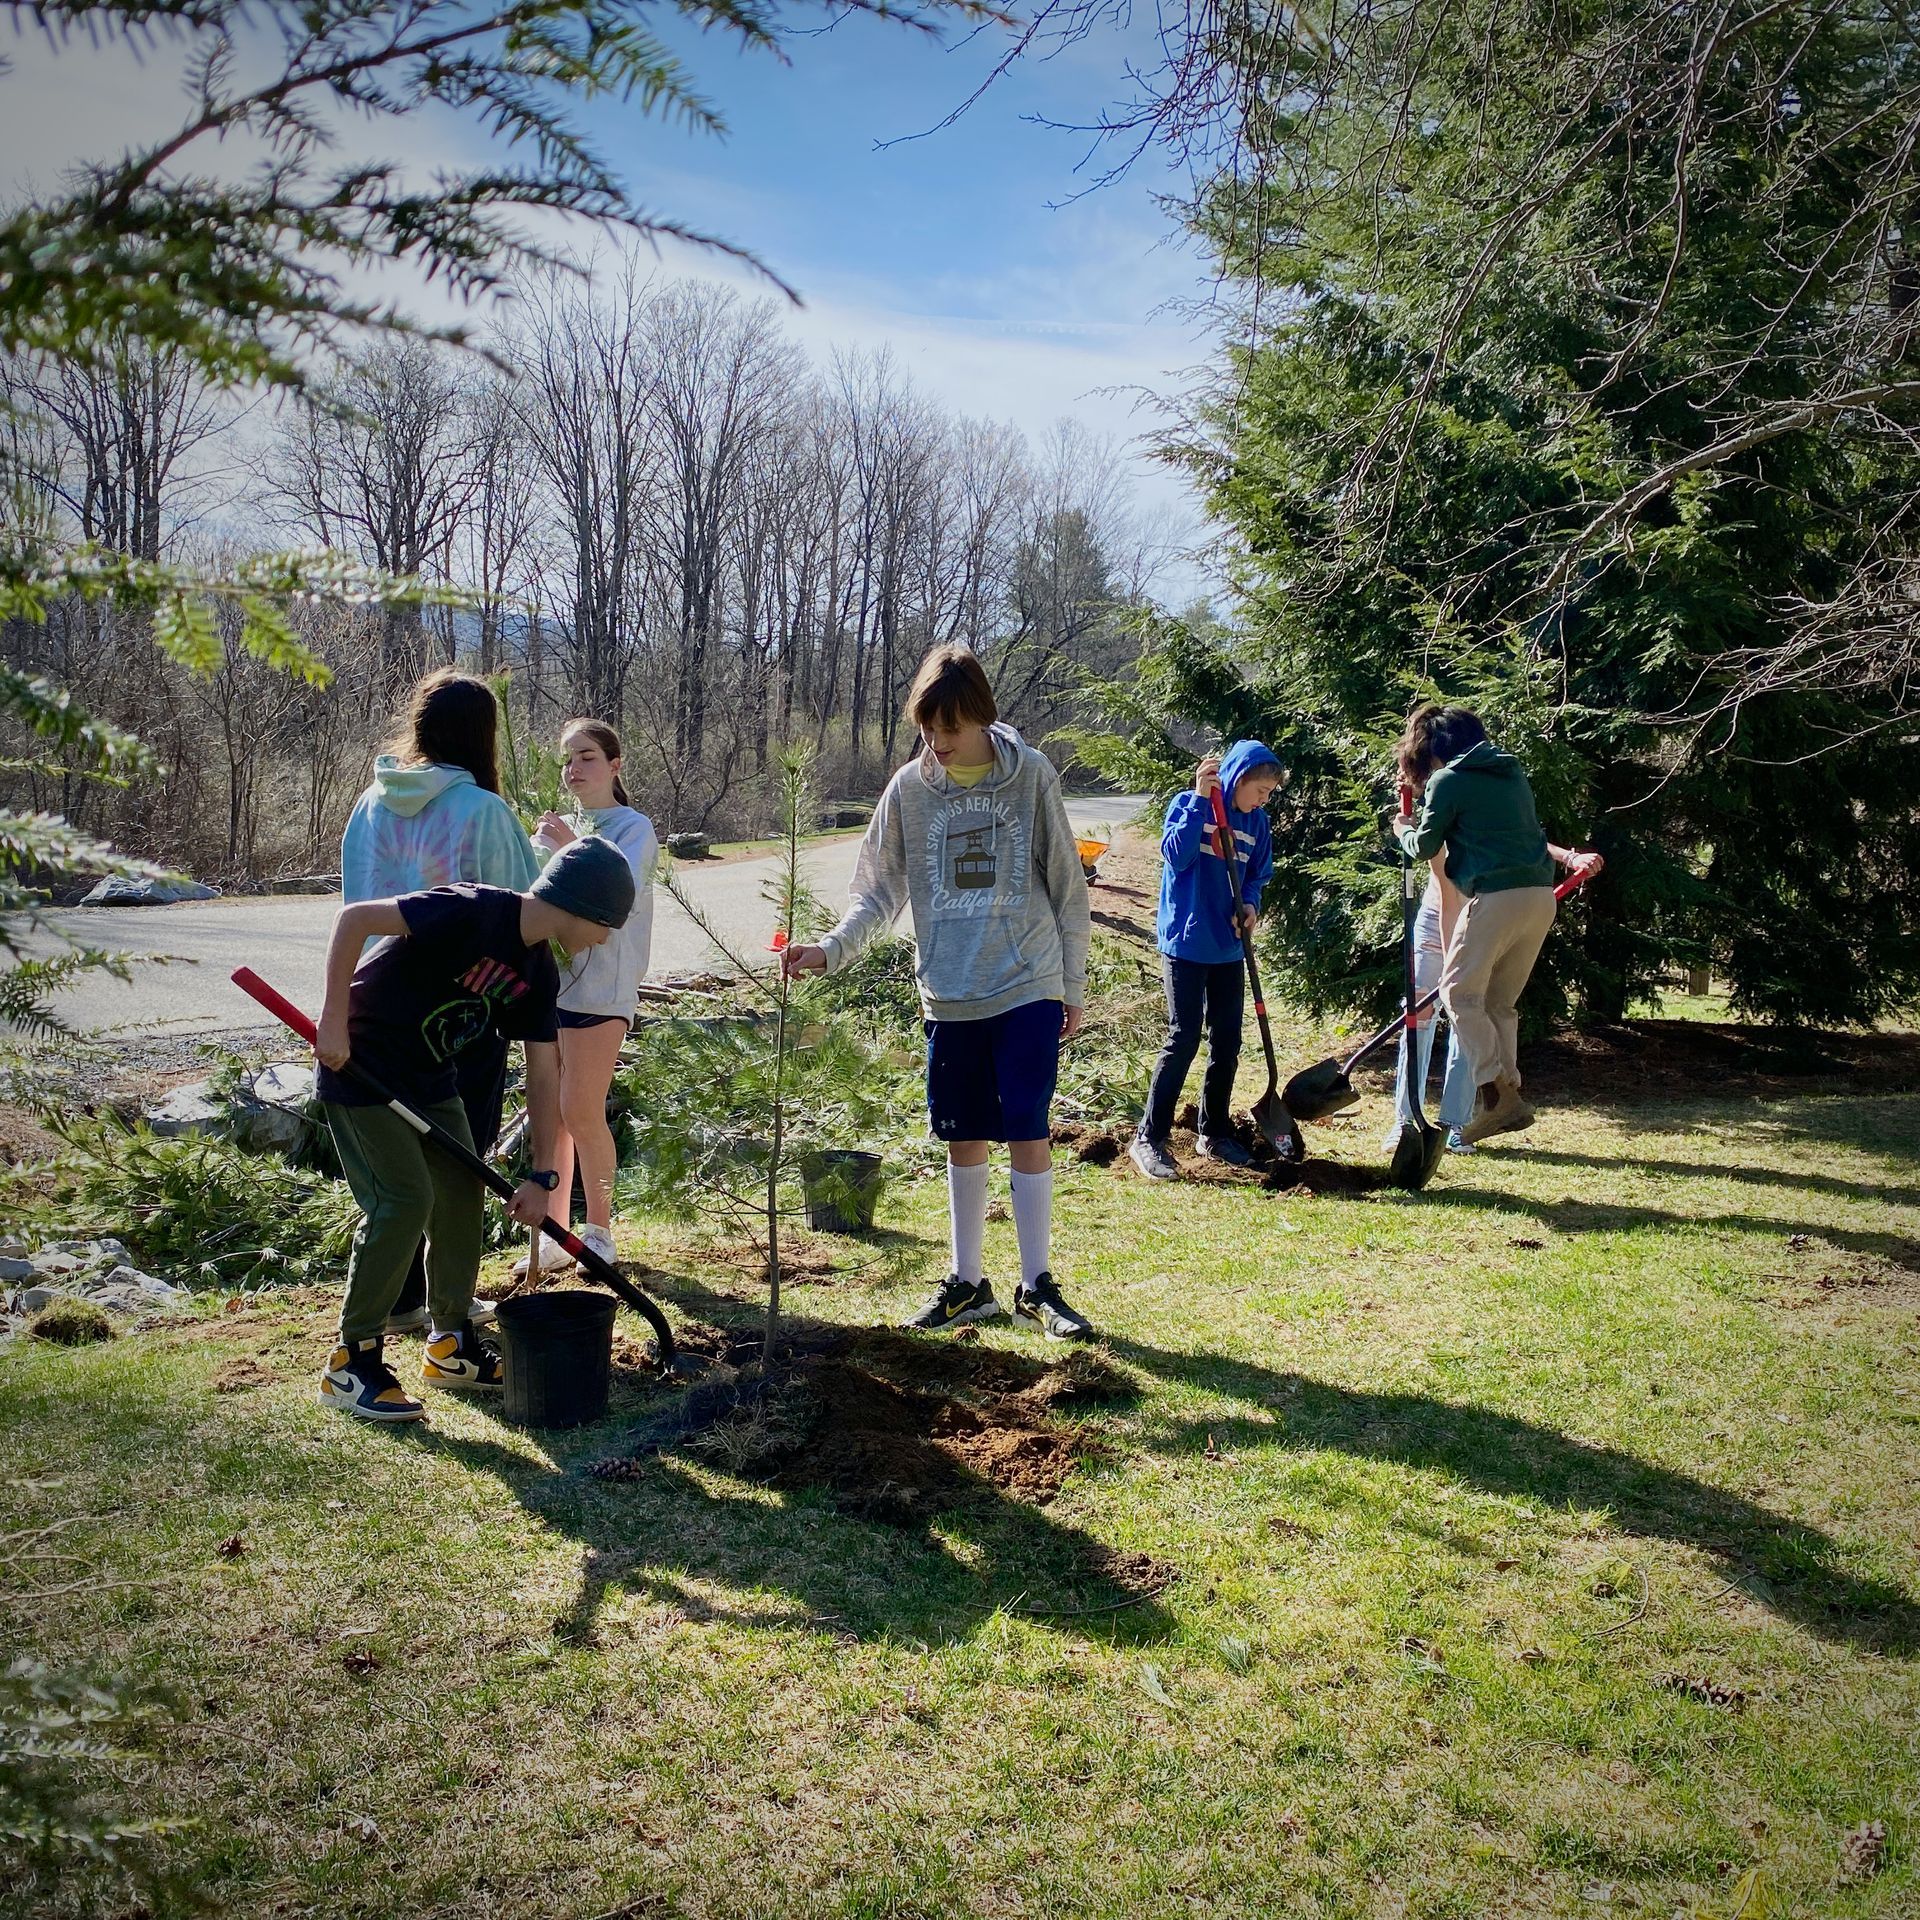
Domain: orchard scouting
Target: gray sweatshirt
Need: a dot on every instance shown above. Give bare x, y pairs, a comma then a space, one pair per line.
993, 876
606, 978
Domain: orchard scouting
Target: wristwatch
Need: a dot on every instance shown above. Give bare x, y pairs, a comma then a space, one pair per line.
548, 1179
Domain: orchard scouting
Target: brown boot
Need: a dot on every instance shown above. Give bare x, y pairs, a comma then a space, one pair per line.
1497, 1109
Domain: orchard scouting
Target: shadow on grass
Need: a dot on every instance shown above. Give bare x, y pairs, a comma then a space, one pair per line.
794, 1562
1895, 1196
1597, 1216
1800, 1566
674, 1535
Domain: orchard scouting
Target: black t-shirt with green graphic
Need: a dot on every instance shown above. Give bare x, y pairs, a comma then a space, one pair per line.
419, 997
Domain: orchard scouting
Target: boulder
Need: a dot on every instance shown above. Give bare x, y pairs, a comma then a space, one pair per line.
689, 846
105, 1252
116, 890
270, 1113
189, 1109
132, 1280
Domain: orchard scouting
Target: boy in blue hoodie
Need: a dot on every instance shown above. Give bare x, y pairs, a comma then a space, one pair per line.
1201, 962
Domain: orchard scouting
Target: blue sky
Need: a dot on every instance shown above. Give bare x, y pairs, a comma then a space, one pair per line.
974, 249
955, 249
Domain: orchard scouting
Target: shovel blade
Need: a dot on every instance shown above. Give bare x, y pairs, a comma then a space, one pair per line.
1317, 1093
1416, 1153
1272, 1117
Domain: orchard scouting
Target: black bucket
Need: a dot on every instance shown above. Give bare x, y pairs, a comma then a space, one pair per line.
842, 1188
556, 1353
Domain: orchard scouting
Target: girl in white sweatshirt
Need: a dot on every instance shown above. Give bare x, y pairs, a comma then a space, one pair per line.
599, 988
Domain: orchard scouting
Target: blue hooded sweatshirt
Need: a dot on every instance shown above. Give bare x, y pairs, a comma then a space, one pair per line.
1196, 896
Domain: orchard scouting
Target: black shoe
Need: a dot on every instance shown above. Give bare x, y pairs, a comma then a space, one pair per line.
955, 1302
1224, 1148
1152, 1158
1042, 1302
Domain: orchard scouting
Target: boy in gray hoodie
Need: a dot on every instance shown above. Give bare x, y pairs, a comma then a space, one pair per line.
972, 833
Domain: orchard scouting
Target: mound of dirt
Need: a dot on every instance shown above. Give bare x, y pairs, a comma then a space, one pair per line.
896, 1453
1642, 1057
1138, 1573
894, 1428
1094, 1146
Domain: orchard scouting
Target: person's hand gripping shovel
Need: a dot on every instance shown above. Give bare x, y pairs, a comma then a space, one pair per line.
1270, 1113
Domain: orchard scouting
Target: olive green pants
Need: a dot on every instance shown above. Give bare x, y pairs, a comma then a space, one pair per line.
407, 1187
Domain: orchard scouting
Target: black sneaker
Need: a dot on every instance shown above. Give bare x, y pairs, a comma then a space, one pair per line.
1152, 1158
954, 1303
1042, 1302
1224, 1148
461, 1359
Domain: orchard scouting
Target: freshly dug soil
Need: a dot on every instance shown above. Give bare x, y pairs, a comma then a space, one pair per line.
897, 1428
1104, 1147
1138, 1573
889, 1452
1094, 1146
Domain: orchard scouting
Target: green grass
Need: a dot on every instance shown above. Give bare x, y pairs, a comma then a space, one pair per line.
1456, 1484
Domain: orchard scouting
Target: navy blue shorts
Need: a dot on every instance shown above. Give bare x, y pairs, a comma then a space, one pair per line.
993, 1079
573, 1021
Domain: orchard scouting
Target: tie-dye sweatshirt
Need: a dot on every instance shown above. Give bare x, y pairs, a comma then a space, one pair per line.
417, 827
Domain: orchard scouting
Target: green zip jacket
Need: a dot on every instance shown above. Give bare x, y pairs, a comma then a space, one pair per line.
1480, 808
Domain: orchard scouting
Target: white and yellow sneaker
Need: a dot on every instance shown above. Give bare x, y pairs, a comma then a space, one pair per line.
461, 1359
358, 1381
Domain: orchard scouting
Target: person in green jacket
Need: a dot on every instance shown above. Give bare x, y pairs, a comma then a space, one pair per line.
1475, 802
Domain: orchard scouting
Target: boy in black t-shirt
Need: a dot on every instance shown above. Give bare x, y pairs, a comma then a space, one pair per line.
460, 960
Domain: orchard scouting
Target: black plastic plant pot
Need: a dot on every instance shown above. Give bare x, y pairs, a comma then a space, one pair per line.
842, 1188
556, 1356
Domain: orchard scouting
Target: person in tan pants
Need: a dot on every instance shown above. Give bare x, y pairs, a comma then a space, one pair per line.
1475, 802
1496, 940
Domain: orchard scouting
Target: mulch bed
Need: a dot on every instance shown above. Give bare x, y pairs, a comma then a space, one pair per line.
1638, 1058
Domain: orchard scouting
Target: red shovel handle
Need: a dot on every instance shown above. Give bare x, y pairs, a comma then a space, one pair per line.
1219, 800
275, 1002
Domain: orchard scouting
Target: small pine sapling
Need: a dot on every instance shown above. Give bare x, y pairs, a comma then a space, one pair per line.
723, 1108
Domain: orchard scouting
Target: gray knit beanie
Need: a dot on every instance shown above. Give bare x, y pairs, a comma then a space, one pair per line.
589, 878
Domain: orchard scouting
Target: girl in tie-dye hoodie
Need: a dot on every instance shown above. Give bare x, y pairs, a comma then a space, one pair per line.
433, 816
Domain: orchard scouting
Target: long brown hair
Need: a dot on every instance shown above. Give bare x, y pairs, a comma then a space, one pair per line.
452, 721
603, 737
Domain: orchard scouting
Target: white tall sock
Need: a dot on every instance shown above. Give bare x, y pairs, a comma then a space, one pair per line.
1033, 1222
967, 1217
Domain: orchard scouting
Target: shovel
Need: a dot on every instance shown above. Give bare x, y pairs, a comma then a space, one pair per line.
1319, 1092
604, 1271
1419, 1144
1270, 1113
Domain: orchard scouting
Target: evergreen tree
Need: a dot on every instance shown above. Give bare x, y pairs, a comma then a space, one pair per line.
1512, 418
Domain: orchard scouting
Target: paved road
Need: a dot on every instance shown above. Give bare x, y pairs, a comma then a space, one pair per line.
285, 940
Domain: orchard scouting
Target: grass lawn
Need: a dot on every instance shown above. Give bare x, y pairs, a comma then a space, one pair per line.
1549, 1544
